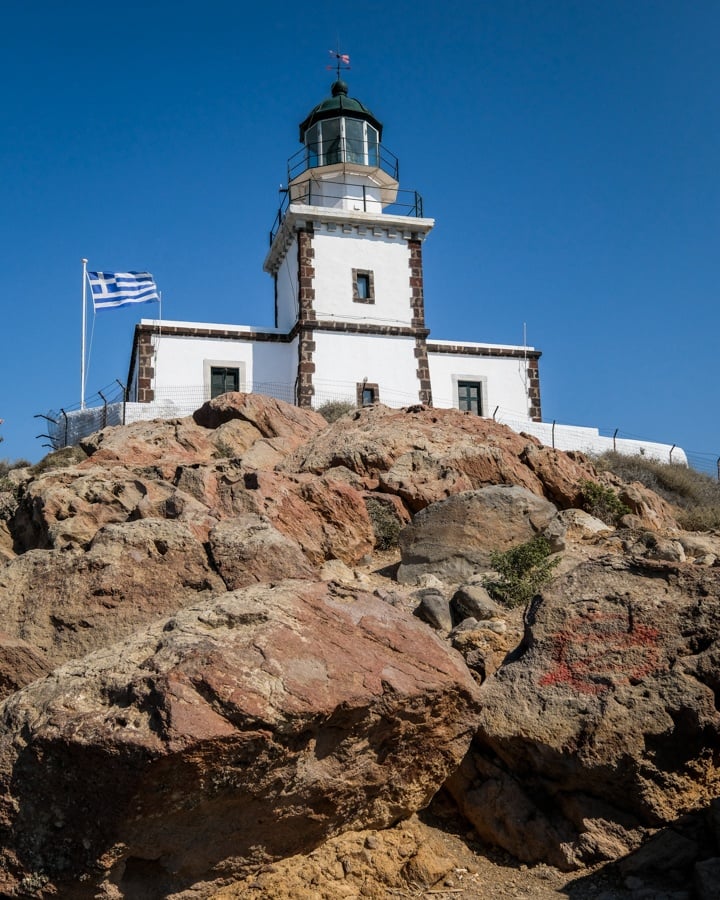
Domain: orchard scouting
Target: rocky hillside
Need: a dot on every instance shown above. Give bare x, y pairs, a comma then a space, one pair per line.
248, 653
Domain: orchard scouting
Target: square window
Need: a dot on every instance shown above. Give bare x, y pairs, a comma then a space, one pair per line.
470, 397
363, 286
367, 394
222, 380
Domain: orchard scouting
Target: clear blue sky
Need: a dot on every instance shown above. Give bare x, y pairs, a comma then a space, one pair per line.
567, 150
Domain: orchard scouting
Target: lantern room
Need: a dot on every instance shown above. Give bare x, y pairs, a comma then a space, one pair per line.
342, 164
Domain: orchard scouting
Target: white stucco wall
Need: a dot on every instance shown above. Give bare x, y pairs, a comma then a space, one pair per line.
344, 360
287, 288
182, 365
337, 254
502, 379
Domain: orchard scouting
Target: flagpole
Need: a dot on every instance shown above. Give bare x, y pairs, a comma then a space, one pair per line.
84, 329
157, 349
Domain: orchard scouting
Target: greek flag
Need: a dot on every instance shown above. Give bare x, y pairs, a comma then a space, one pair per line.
111, 289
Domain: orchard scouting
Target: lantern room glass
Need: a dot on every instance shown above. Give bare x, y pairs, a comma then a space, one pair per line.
342, 140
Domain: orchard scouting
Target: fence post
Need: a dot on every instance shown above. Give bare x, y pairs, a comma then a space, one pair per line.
553, 434
125, 398
104, 416
671, 451
614, 443
495, 413
65, 439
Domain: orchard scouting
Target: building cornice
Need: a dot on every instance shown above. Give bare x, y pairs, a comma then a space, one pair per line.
219, 332
488, 350
299, 217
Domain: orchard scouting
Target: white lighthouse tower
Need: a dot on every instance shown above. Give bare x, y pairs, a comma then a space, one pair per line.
346, 256
349, 312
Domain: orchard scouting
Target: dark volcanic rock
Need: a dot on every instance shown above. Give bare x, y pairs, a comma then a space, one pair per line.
612, 697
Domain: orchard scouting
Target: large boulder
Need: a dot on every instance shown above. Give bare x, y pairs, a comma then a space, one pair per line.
271, 418
242, 730
604, 723
455, 537
68, 603
424, 455
248, 550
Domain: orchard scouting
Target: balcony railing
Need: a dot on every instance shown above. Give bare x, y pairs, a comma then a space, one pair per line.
347, 195
343, 150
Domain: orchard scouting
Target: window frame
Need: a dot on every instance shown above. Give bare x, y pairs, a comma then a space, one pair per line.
346, 149
232, 364
370, 388
368, 276
478, 381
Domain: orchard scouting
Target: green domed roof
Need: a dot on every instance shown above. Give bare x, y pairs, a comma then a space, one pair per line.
339, 104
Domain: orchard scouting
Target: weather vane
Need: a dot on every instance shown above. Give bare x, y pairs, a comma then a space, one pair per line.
342, 62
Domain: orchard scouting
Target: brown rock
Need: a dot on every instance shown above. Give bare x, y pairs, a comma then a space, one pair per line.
160, 442
647, 505
573, 525
455, 538
68, 603
612, 694
20, 664
248, 550
424, 455
243, 730
272, 418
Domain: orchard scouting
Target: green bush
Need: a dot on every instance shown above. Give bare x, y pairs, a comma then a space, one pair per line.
602, 502
522, 571
335, 409
385, 522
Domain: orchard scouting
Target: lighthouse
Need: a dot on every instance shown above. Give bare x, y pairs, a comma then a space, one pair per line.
348, 300
346, 258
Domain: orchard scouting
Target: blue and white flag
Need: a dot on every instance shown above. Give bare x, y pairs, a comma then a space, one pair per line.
111, 289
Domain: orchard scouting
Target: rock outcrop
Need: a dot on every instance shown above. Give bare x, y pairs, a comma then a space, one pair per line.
210, 661
424, 455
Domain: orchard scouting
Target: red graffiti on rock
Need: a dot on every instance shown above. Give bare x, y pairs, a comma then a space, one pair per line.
601, 650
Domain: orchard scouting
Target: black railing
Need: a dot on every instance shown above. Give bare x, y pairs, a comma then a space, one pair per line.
344, 150
363, 198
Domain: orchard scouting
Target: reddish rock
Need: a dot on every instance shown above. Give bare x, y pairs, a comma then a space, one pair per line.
272, 418
240, 731
20, 664
425, 455
248, 550
161, 442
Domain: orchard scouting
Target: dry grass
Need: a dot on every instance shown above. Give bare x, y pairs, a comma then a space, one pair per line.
695, 494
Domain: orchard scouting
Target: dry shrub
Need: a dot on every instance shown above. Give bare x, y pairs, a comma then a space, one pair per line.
333, 410
695, 494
